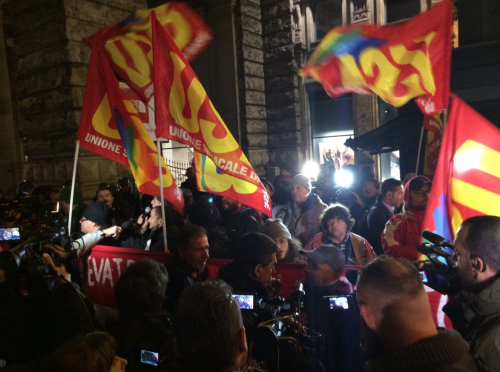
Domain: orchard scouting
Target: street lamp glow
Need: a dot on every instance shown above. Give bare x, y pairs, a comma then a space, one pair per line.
343, 178
311, 169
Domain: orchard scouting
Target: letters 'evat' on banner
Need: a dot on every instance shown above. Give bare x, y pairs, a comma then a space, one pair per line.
128, 45
211, 179
467, 178
185, 114
397, 62
107, 109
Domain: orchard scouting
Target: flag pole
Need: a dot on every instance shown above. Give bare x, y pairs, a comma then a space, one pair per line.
77, 149
419, 149
160, 173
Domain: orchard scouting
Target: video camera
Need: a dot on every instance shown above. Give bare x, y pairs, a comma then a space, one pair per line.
440, 271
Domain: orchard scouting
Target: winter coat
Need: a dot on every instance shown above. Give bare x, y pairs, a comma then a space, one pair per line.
308, 224
403, 232
217, 240
152, 241
237, 225
377, 217
362, 249
470, 315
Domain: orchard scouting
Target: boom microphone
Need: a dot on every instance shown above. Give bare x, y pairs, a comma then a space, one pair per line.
437, 240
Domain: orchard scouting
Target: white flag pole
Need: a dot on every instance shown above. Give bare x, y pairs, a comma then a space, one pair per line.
158, 148
73, 188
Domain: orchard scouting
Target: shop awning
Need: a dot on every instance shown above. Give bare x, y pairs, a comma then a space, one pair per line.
392, 136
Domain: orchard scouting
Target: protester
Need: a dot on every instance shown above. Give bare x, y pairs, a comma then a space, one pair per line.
152, 239
188, 265
371, 189
130, 194
143, 325
325, 188
282, 193
239, 220
119, 210
341, 327
205, 214
475, 312
78, 206
403, 232
288, 248
208, 328
95, 352
403, 336
386, 206
190, 183
337, 224
301, 215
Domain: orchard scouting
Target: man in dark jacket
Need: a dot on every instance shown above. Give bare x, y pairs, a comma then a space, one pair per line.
402, 335
188, 265
340, 325
386, 206
152, 240
475, 312
240, 220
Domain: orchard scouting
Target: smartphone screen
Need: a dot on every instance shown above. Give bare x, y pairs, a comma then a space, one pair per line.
339, 302
149, 357
10, 233
245, 301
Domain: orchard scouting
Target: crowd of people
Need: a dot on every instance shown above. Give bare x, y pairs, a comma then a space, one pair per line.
173, 318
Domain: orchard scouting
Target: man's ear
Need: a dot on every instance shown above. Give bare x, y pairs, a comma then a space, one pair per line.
242, 348
257, 271
368, 316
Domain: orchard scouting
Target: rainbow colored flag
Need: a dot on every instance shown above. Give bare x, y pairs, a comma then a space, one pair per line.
467, 178
397, 62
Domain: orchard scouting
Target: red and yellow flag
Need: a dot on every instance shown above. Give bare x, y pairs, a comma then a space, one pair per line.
397, 62
121, 119
185, 114
127, 44
467, 178
211, 179
434, 127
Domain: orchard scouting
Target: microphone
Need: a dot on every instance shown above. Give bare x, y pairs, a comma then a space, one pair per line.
352, 275
147, 212
437, 240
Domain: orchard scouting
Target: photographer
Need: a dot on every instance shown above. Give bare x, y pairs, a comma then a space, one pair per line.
475, 312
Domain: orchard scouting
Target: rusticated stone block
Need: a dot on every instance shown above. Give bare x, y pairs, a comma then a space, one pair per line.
274, 112
276, 9
56, 144
48, 34
258, 157
280, 68
250, 8
278, 39
254, 83
252, 54
283, 139
42, 59
255, 112
254, 69
77, 29
94, 12
257, 139
78, 52
52, 100
256, 126
282, 83
277, 24
50, 122
251, 24
282, 98
281, 124
29, 20
251, 39
255, 98
284, 53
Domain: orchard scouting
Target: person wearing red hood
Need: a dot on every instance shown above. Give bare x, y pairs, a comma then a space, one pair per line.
403, 232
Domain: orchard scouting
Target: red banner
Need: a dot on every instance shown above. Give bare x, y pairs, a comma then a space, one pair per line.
105, 265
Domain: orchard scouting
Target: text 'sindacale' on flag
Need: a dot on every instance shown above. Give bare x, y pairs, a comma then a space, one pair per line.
467, 178
128, 45
116, 116
397, 62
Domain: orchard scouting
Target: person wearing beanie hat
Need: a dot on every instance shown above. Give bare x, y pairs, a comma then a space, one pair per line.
288, 247
93, 217
302, 214
403, 232
78, 206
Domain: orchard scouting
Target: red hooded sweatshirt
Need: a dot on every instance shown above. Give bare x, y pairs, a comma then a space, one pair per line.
403, 232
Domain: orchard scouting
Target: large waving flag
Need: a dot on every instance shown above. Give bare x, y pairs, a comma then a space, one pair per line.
211, 179
127, 125
127, 44
467, 178
185, 114
434, 126
397, 62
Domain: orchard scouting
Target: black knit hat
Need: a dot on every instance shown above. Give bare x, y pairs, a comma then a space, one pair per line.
203, 213
96, 212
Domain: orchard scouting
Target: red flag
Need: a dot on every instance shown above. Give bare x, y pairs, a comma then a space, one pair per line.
434, 127
185, 114
467, 178
127, 44
398, 62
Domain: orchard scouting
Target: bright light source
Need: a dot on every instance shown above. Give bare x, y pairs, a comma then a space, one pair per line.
311, 169
468, 159
343, 178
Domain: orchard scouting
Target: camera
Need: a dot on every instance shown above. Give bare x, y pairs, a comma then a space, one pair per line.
440, 271
246, 301
150, 360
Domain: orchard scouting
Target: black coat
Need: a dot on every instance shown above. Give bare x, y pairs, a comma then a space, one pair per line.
377, 217
156, 237
238, 225
218, 241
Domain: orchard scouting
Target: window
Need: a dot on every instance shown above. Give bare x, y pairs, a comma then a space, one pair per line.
327, 15
399, 10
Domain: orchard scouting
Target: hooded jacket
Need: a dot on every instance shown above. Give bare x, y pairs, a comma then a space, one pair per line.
403, 232
237, 225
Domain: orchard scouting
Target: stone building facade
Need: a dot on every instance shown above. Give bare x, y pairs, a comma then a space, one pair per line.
250, 72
